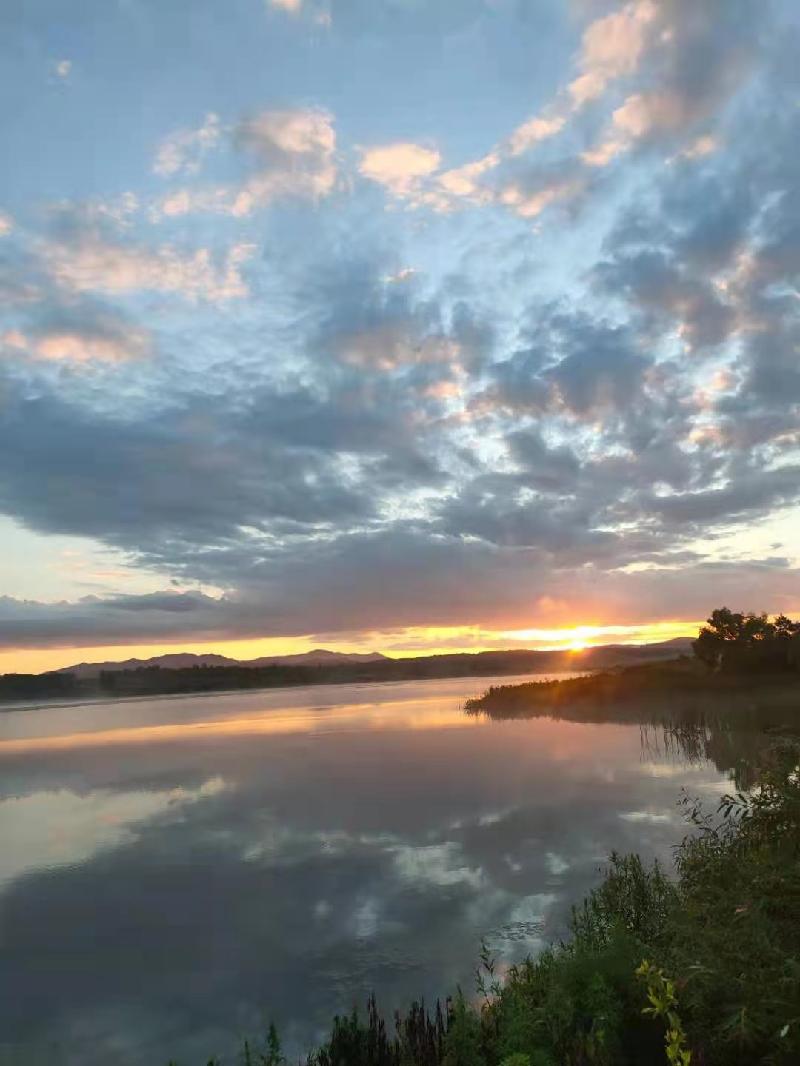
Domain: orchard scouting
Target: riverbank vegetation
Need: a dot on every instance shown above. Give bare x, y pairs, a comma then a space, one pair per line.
743, 667
699, 969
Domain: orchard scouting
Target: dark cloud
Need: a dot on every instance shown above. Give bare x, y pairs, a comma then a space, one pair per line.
706, 54
188, 474
681, 300
574, 364
754, 491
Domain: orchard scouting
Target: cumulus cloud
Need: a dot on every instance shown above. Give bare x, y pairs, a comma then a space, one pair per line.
292, 154
697, 60
399, 167
182, 152
89, 262
612, 46
81, 338
77, 347
529, 195
533, 131
681, 65
275, 134
464, 183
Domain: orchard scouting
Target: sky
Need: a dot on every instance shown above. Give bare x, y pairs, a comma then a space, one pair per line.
409, 325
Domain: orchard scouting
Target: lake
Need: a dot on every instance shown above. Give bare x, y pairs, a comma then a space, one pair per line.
176, 872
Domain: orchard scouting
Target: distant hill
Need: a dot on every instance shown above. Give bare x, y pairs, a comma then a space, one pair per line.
184, 672
317, 657
616, 654
600, 656
185, 660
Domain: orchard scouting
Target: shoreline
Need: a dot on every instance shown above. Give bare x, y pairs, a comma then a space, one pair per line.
676, 691
45, 705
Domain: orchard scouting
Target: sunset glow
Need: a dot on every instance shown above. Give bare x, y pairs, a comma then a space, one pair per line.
396, 644
379, 346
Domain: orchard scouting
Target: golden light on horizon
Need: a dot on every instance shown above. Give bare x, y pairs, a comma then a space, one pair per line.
580, 637
402, 643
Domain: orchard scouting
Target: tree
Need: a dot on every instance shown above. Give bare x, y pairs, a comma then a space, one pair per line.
735, 641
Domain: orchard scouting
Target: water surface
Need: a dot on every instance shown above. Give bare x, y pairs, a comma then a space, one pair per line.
175, 871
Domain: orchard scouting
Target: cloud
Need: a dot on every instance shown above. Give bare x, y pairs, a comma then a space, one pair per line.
292, 6
399, 167
103, 340
6, 224
183, 152
80, 348
390, 347
697, 60
464, 184
63, 68
293, 133
574, 365
398, 581
681, 65
87, 261
753, 491
530, 194
612, 46
293, 155
533, 131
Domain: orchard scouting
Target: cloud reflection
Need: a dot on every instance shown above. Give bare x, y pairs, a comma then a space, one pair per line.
221, 866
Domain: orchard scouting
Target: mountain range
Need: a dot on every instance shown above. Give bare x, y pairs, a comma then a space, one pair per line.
600, 656
185, 660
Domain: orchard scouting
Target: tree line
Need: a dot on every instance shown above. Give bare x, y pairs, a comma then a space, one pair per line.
737, 642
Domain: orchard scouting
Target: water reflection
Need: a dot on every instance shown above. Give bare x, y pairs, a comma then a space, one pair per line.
176, 870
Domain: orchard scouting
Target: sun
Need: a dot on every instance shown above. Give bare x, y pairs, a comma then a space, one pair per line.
577, 645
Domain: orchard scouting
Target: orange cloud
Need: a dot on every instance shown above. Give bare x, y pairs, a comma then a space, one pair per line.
93, 265
612, 46
534, 130
81, 348
295, 154
399, 167
530, 204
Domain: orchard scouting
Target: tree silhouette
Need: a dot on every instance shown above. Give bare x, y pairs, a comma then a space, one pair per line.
734, 641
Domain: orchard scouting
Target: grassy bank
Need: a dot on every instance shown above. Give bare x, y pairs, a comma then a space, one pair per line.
701, 968
679, 691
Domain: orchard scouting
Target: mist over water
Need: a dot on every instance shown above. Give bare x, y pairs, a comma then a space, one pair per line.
176, 872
